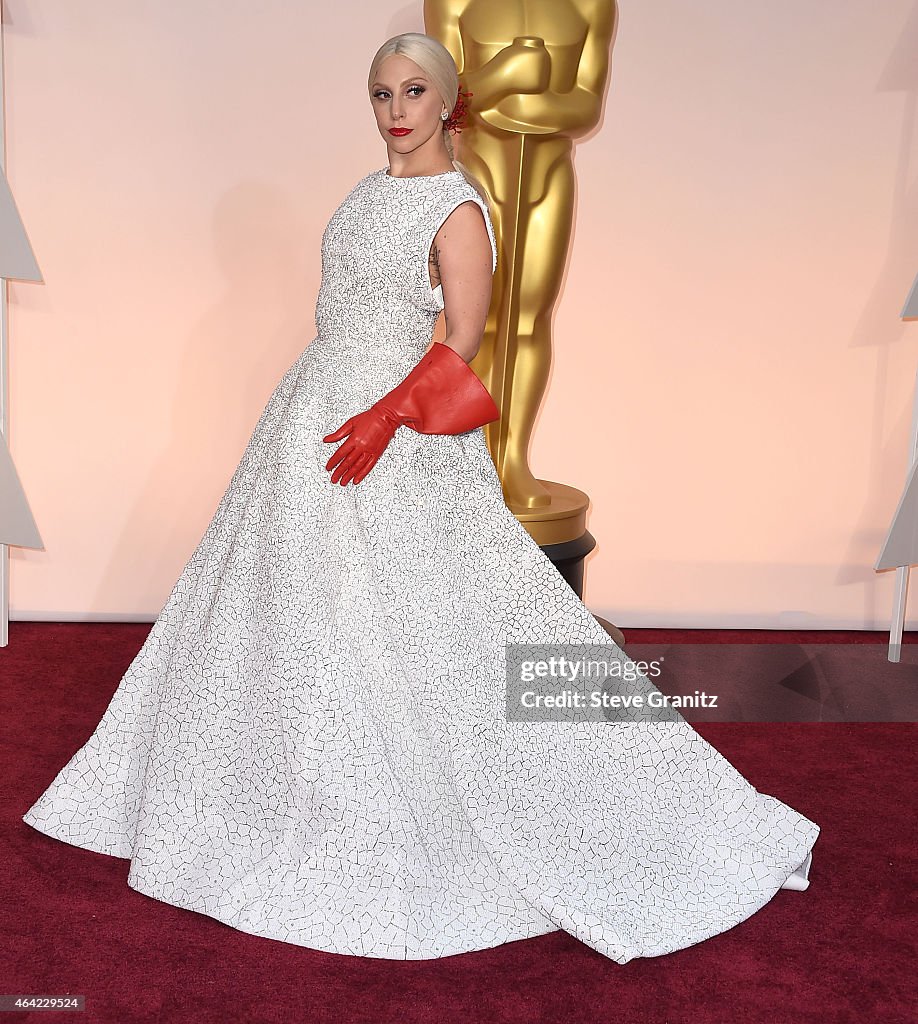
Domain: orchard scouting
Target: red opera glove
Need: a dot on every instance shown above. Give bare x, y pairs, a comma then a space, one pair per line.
441, 395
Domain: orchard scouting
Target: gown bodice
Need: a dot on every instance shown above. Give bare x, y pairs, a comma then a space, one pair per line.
375, 296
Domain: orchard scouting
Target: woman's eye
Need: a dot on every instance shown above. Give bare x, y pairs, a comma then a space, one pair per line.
382, 94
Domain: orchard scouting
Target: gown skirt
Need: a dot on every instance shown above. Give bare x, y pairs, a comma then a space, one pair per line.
312, 744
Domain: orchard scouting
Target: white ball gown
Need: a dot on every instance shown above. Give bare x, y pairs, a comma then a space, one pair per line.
312, 743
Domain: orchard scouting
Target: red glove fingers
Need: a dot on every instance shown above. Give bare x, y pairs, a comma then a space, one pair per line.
368, 433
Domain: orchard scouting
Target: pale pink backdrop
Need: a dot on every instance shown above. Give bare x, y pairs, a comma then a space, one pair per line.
731, 386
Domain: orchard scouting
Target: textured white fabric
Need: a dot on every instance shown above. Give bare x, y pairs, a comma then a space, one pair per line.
312, 743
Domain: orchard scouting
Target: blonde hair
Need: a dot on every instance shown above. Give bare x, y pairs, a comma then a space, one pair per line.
433, 58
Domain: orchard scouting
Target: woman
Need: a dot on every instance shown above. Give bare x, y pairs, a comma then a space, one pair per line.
312, 744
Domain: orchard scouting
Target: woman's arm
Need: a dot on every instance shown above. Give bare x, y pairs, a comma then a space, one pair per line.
461, 256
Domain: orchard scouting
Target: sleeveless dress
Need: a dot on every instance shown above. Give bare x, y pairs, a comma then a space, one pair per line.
312, 744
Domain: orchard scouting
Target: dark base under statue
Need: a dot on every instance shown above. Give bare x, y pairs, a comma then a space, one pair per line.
568, 560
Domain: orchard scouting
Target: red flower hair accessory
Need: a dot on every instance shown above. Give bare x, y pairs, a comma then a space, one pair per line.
456, 120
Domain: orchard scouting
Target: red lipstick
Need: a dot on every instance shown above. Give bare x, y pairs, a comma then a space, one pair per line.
400, 131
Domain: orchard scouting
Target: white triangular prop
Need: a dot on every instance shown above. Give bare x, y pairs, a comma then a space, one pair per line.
910, 309
17, 527
17, 261
901, 545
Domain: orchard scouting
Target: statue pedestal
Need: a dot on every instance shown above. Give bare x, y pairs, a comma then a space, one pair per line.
561, 521
560, 531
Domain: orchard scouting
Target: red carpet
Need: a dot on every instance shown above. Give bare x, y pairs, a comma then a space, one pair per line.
842, 951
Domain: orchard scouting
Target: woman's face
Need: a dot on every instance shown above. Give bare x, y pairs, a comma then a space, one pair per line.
403, 98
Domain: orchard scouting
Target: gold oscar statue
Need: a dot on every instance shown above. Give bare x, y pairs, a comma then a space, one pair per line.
537, 72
